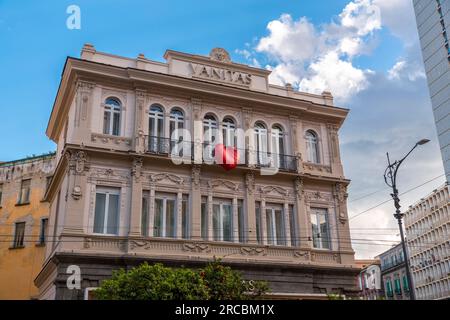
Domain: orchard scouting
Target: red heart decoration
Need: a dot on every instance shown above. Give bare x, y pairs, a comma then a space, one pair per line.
227, 157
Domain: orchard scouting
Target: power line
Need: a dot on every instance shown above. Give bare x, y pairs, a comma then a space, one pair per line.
386, 201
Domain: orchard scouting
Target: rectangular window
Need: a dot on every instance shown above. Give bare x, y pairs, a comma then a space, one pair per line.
405, 283
275, 225
320, 229
241, 222
145, 213
43, 231
48, 180
165, 216
106, 122
258, 222
24, 195
389, 291
204, 209
222, 220
106, 220
116, 124
398, 288
292, 224
185, 234
19, 235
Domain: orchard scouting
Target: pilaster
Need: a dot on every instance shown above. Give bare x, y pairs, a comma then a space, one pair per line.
136, 197
304, 225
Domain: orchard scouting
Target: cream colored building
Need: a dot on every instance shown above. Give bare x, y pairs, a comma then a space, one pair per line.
118, 199
428, 231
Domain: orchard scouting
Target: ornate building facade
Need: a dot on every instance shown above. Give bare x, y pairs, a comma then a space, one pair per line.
119, 198
23, 224
427, 224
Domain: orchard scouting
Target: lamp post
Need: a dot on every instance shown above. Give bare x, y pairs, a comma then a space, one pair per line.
390, 177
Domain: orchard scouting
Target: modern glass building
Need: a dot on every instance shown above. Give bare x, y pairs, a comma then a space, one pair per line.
433, 23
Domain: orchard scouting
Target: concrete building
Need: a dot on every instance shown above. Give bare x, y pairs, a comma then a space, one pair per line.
433, 22
23, 224
428, 232
369, 280
119, 197
393, 274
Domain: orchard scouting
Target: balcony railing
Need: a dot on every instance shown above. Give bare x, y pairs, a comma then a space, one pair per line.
258, 159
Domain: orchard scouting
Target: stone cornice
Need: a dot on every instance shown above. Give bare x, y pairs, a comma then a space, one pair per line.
76, 69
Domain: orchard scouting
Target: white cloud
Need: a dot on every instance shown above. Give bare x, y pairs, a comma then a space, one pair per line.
362, 16
315, 59
406, 70
330, 72
289, 40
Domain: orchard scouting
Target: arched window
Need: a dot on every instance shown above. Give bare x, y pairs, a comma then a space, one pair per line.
261, 143
111, 117
176, 126
210, 132
312, 146
176, 121
278, 151
229, 132
156, 129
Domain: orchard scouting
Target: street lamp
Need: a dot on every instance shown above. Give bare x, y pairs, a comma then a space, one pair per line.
390, 177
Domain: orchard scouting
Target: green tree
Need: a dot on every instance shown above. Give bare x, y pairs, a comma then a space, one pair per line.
156, 282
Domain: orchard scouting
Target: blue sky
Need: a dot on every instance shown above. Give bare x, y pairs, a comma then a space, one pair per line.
372, 64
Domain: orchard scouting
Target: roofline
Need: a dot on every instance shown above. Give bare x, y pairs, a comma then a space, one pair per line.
27, 159
66, 77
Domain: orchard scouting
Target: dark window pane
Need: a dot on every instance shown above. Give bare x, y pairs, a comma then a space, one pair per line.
99, 219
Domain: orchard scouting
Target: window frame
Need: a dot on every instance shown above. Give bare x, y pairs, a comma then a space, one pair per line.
218, 234
312, 146
276, 239
43, 229
112, 110
20, 200
317, 211
19, 243
165, 197
107, 191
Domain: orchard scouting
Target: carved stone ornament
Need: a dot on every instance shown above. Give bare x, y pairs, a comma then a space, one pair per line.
77, 161
268, 189
196, 247
220, 54
341, 196
302, 254
196, 176
136, 169
166, 176
140, 244
223, 183
299, 188
252, 251
76, 193
250, 182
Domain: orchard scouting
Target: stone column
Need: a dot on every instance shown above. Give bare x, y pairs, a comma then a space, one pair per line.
139, 123
287, 224
333, 147
83, 110
136, 197
77, 182
179, 212
303, 221
263, 222
196, 204
197, 129
340, 196
250, 208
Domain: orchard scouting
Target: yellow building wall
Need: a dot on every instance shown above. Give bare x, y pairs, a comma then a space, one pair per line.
20, 266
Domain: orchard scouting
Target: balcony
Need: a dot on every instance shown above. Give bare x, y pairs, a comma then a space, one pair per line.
186, 150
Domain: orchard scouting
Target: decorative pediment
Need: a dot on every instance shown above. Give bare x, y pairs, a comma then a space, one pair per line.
318, 196
223, 183
274, 189
166, 176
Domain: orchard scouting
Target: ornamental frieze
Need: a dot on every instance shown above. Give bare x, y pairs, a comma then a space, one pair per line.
196, 247
252, 251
